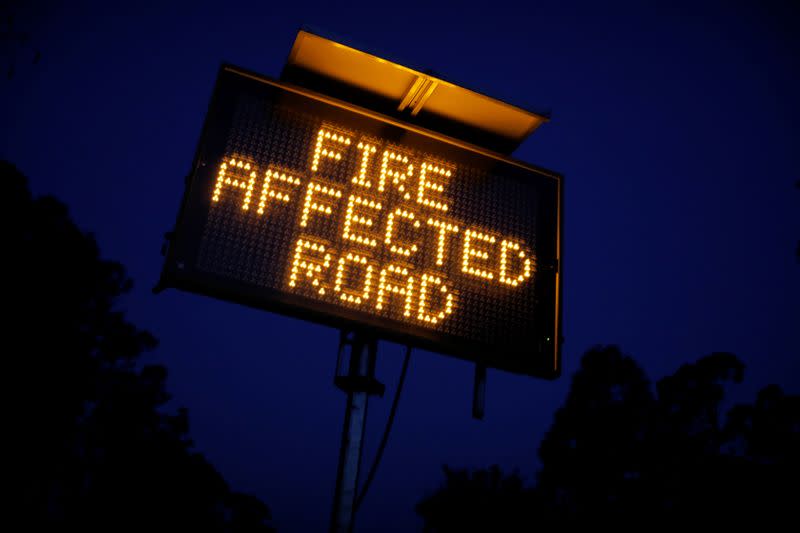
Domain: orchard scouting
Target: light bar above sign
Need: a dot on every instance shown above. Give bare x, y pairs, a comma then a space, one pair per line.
309, 206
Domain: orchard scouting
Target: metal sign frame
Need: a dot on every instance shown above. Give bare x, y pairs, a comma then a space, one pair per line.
546, 360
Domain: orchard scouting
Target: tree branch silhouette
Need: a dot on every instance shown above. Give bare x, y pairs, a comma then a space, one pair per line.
625, 455
91, 445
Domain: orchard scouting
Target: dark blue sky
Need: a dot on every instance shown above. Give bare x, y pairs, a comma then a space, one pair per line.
676, 128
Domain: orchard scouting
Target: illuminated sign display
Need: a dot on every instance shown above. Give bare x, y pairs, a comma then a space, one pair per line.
309, 206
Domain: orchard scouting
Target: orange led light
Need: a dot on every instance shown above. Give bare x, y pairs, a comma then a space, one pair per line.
348, 295
235, 173
269, 191
405, 287
433, 318
366, 151
397, 176
470, 252
322, 149
527, 263
311, 266
310, 205
351, 218
426, 183
350, 277
444, 229
390, 223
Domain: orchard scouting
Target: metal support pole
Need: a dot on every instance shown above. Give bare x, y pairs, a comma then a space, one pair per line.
358, 384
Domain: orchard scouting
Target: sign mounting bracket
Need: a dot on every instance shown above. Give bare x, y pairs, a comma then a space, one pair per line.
417, 94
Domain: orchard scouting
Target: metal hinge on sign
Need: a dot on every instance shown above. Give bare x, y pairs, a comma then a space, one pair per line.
417, 94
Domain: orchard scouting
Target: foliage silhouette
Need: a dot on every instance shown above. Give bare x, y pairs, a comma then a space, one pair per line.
623, 454
595, 451
91, 448
484, 500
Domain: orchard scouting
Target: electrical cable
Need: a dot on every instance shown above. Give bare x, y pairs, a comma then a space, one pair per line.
386, 431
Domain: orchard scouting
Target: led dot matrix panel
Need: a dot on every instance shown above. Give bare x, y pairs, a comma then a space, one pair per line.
306, 205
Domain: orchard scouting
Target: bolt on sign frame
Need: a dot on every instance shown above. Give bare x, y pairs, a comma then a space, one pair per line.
310, 206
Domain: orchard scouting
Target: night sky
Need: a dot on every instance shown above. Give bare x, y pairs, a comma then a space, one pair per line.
676, 129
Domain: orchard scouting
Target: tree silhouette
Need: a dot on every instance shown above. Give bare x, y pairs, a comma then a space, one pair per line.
484, 500
686, 463
594, 454
90, 447
763, 440
621, 455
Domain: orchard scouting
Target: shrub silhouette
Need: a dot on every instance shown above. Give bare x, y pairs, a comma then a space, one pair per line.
91, 447
625, 455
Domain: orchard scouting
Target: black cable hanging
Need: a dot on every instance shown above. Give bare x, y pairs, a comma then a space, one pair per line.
385, 438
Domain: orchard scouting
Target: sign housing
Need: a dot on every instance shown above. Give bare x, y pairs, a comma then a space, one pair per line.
310, 206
